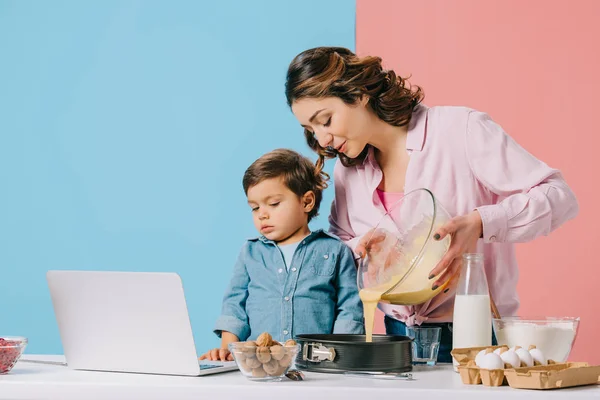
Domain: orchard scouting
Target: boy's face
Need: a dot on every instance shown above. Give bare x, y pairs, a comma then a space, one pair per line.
278, 213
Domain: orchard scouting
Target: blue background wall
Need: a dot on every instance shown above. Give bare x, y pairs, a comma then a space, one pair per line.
125, 128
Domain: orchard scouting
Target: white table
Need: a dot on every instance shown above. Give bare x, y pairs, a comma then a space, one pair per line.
41, 381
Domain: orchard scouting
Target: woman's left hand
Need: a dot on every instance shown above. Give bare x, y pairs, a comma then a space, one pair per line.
465, 231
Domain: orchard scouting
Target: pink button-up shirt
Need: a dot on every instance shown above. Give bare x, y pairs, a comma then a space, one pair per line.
469, 163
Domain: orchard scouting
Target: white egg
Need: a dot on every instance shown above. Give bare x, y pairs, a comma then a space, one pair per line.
538, 356
478, 358
510, 357
525, 357
491, 361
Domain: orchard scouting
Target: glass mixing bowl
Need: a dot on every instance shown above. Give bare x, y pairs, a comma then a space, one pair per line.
554, 336
11, 349
270, 363
401, 251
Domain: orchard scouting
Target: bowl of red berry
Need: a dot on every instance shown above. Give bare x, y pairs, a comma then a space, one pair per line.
11, 349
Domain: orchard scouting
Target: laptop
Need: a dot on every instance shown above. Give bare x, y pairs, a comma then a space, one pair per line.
127, 322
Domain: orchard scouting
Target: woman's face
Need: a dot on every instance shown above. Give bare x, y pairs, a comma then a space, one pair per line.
334, 123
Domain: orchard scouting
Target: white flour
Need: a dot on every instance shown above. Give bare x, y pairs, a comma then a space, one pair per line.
554, 339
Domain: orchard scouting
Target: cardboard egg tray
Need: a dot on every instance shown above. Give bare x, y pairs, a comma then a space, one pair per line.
551, 376
473, 375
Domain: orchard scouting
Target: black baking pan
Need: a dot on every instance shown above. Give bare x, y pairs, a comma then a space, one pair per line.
338, 353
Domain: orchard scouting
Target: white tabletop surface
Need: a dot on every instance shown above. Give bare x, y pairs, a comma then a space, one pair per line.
40, 381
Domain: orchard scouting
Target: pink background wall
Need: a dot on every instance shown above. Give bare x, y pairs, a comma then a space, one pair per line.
534, 66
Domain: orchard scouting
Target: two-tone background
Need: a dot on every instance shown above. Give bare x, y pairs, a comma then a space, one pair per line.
126, 126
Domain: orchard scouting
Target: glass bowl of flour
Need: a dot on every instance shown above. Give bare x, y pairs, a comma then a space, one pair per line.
554, 336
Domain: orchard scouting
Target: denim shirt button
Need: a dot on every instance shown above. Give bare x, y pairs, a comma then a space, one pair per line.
294, 269
285, 332
326, 256
286, 298
280, 270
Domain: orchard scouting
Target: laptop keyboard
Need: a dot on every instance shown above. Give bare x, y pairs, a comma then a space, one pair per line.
209, 366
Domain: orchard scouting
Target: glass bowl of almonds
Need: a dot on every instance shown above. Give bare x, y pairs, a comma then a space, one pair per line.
11, 349
264, 359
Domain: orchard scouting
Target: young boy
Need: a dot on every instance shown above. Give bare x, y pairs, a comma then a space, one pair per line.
290, 280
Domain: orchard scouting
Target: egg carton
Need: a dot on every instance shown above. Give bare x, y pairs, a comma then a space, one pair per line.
471, 374
463, 355
553, 376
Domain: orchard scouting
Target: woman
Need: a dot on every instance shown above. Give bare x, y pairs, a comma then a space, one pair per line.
388, 143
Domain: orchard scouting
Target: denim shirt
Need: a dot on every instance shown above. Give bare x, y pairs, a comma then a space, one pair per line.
318, 294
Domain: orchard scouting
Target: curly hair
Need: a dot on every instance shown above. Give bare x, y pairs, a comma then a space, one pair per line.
337, 72
298, 172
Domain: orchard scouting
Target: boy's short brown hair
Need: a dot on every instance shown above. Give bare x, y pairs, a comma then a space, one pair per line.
299, 174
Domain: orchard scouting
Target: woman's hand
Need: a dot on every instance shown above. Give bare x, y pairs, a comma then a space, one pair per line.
382, 248
371, 242
217, 355
465, 231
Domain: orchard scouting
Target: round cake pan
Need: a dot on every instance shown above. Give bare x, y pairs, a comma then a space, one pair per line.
338, 353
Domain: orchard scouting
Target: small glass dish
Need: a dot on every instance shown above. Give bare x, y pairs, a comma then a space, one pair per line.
264, 363
11, 349
425, 345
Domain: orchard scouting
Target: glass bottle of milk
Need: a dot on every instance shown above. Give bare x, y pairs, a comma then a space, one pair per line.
472, 323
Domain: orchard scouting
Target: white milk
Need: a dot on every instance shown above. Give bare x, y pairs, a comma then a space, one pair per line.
472, 324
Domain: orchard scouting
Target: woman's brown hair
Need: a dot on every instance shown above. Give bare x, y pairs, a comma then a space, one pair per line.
338, 72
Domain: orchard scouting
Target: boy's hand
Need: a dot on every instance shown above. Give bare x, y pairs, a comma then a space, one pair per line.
217, 355
221, 354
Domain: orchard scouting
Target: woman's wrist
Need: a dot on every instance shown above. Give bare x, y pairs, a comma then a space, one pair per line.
475, 217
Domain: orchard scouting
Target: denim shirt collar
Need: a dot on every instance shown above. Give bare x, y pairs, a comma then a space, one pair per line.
312, 236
